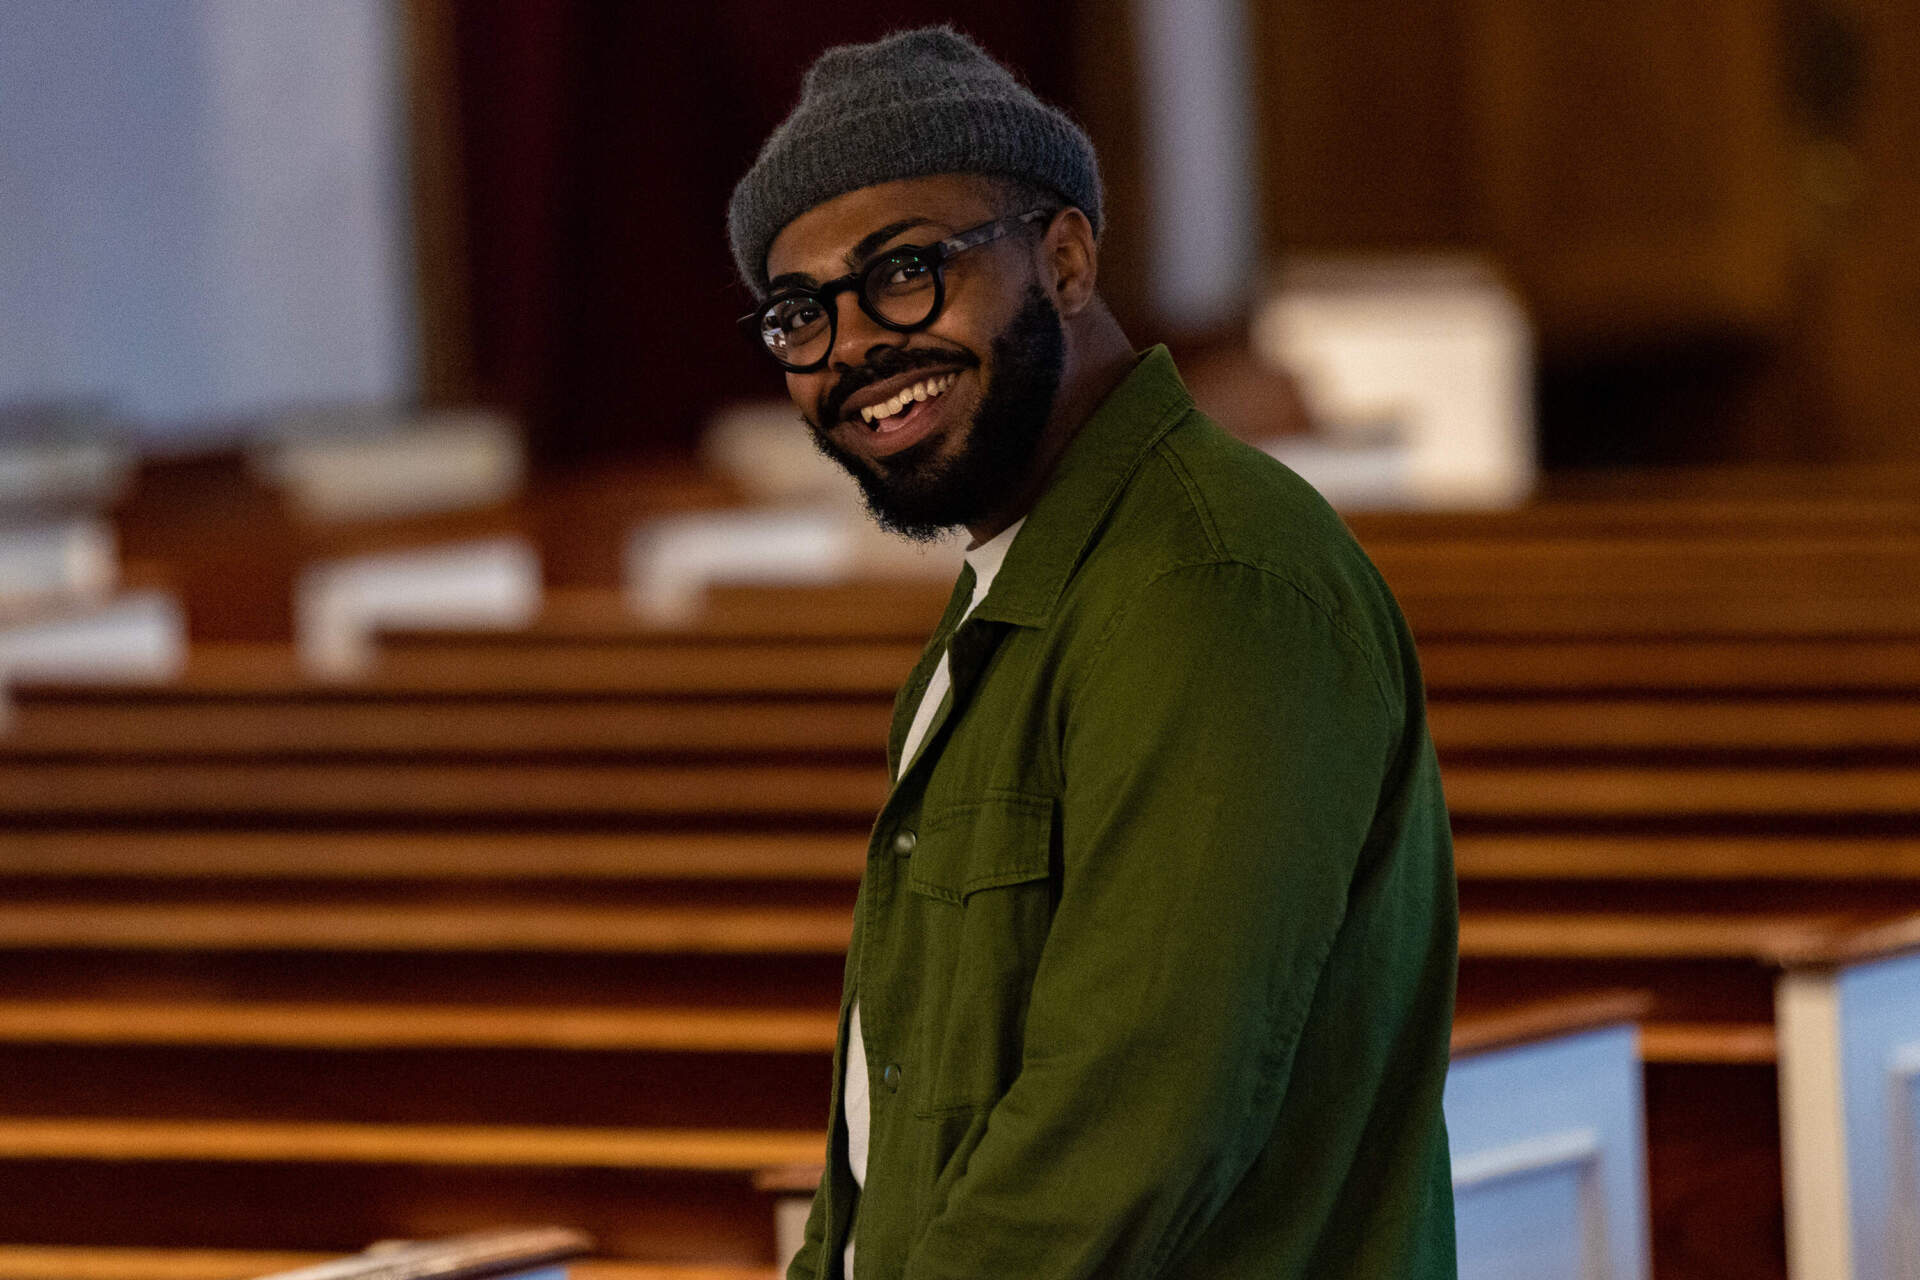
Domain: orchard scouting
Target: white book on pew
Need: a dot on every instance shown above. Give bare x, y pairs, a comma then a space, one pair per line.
51, 474
137, 637
672, 560
513, 1253
373, 468
49, 561
341, 605
1417, 371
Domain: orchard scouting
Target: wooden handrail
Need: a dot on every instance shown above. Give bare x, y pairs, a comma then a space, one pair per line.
1454, 665
481, 856
337, 1025
1573, 856
1484, 1030
77, 1262
187, 726
1761, 936
851, 793
443, 855
288, 1142
425, 927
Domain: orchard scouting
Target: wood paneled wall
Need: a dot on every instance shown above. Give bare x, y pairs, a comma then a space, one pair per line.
1710, 208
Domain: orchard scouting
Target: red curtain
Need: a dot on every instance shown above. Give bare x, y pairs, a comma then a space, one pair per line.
600, 141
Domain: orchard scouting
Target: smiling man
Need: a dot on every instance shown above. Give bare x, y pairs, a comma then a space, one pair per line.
1152, 964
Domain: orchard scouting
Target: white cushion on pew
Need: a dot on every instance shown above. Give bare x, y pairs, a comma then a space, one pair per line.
672, 560
369, 470
139, 636
49, 561
63, 473
339, 605
1428, 358
765, 448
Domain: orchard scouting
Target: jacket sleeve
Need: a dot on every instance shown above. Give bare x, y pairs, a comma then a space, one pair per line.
1223, 754
806, 1262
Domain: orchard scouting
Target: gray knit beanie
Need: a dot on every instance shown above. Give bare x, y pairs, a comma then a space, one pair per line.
914, 104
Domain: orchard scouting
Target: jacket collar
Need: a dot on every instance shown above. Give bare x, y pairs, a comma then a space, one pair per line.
1086, 483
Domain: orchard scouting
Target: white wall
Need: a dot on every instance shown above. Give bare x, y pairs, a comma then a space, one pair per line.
1197, 135
202, 206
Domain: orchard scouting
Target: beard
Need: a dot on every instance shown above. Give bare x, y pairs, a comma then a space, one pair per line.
919, 495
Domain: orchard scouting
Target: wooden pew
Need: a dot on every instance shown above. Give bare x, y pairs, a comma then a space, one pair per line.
1566, 740
1849, 1027
1547, 1130
1625, 940
849, 794
168, 721
71, 1262
641, 664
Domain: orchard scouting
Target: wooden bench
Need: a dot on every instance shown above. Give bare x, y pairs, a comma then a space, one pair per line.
1481, 1038
452, 856
167, 722
1625, 720
1849, 1028
73, 1262
1546, 1127
390, 1025
1546, 1124
850, 794
1526, 941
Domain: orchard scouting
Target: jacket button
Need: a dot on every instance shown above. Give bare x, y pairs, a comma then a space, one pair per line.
904, 842
891, 1075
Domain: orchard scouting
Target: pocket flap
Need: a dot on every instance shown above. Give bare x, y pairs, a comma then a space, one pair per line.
1004, 838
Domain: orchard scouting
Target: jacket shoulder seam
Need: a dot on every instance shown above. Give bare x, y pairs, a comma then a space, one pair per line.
1195, 498
1369, 653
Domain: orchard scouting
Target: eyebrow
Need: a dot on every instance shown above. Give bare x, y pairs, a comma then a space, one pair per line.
856, 255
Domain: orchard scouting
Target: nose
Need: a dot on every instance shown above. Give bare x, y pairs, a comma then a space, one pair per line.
856, 331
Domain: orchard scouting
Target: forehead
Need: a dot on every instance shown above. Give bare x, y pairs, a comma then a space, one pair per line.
818, 242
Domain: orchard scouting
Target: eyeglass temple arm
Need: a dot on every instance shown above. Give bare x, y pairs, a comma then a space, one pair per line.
983, 235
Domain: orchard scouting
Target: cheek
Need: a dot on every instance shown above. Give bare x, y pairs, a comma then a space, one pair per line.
805, 390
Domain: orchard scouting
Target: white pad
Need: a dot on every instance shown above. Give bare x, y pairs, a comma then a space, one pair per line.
137, 637
441, 462
671, 561
1423, 363
340, 605
57, 560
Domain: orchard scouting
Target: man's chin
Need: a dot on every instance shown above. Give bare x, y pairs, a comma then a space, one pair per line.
902, 492
908, 494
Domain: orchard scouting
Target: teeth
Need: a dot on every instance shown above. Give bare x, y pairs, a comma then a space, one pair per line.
910, 395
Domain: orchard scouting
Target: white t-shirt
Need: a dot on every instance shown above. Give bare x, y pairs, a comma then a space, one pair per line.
985, 560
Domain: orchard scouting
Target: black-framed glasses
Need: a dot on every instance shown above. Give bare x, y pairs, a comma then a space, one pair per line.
902, 289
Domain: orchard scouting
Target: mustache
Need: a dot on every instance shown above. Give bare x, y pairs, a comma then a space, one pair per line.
889, 362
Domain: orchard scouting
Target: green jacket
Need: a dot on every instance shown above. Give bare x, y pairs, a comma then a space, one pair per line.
1155, 945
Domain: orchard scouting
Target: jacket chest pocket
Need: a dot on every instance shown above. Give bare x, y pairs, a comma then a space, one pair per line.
982, 894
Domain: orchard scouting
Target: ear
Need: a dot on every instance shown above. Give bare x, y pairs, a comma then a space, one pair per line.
1070, 261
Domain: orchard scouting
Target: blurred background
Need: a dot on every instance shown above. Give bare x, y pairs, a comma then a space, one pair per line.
222, 210
234, 223
443, 691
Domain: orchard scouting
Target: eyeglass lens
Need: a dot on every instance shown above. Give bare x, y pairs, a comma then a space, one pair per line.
897, 289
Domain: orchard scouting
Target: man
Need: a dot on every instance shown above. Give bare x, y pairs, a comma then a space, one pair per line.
1152, 964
